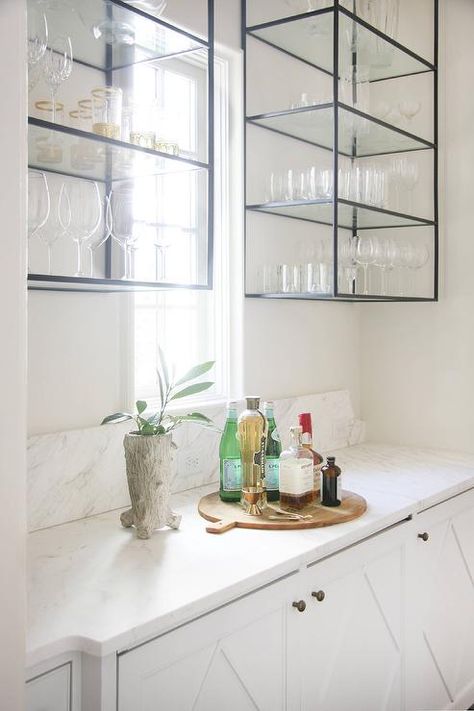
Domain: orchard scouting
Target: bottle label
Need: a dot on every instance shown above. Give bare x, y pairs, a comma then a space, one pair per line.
272, 474
231, 475
296, 476
306, 438
275, 436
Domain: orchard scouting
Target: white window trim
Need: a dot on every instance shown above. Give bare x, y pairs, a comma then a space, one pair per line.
228, 263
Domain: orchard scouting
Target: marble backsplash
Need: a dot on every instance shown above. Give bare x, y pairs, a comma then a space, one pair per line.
80, 473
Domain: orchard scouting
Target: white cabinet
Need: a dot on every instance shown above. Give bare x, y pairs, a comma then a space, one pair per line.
351, 631
440, 589
235, 658
50, 691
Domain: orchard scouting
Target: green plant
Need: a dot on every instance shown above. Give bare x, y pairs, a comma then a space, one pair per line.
161, 422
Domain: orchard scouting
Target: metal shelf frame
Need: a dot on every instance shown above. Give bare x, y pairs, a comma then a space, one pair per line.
108, 284
337, 11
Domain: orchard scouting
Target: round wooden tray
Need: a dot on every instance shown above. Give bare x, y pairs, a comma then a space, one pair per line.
227, 515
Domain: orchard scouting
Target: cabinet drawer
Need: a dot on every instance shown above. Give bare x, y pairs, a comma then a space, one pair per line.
50, 691
234, 658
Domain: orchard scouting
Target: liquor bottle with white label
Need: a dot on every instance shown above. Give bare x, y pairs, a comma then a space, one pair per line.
307, 439
296, 474
331, 483
272, 455
229, 456
252, 429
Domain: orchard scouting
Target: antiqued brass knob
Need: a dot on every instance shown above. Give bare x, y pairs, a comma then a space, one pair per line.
300, 605
424, 536
319, 595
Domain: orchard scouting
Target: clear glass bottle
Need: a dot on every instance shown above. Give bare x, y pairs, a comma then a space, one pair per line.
272, 455
296, 473
331, 493
229, 456
307, 439
252, 429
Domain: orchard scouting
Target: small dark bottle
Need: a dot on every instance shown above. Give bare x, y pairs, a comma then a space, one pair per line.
331, 483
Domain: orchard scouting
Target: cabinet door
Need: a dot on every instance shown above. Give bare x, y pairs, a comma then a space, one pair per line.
234, 658
351, 631
440, 634
50, 691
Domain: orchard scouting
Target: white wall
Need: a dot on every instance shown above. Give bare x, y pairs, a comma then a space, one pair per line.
12, 354
418, 360
78, 357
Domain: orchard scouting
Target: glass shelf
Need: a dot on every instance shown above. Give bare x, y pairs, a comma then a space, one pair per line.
65, 150
315, 124
38, 282
309, 37
351, 215
308, 296
133, 35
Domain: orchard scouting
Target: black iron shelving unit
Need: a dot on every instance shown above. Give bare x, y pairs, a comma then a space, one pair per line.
120, 160
324, 126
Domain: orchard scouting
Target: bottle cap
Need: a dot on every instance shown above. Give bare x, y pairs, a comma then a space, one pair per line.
232, 405
253, 402
331, 460
305, 421
268, 404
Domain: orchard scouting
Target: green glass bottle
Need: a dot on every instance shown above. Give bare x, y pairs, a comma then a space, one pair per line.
229, 456
272, 457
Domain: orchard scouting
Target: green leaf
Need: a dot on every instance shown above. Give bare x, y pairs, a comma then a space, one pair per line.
192, 390
195, 372
162, 388
141, 406
164, 368
147, 429
117, 417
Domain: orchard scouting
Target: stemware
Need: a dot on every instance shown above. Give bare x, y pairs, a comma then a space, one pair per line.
99, 237
38, 201
121, 213
162, 242
86, 212
37, 35
347, 265
57, 66
57, 225
364, 255
385, 258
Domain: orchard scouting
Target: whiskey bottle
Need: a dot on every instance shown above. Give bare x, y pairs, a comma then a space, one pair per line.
252, 429
307, 439
272, 455
296, 474
331, 483
229, 456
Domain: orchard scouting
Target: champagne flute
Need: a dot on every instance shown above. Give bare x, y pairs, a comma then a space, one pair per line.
365, 255
122, 222
86, 213
57, 66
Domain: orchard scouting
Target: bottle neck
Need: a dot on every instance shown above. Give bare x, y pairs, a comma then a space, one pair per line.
231, 415
307, 439
268, 412
295, 440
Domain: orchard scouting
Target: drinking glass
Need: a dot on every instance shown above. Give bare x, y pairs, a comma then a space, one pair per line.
123, 223
38, 201
409, 109
86, 213
100, 236
385, 258
58, 224
57, 66
107, 111
290, 278
364, 255
37, 35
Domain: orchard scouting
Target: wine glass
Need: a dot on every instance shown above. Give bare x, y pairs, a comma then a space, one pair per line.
409, 109
385, 256
364, 255
37, 35
122, 223
99, 237
57, 66
347, 266
162, 242
86, 212
58, 224
39, 202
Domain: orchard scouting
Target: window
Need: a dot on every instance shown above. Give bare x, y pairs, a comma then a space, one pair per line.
191, 326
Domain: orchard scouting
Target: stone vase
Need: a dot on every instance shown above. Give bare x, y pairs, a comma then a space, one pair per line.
148, 462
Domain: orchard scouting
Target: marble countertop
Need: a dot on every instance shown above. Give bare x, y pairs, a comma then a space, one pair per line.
94, 587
